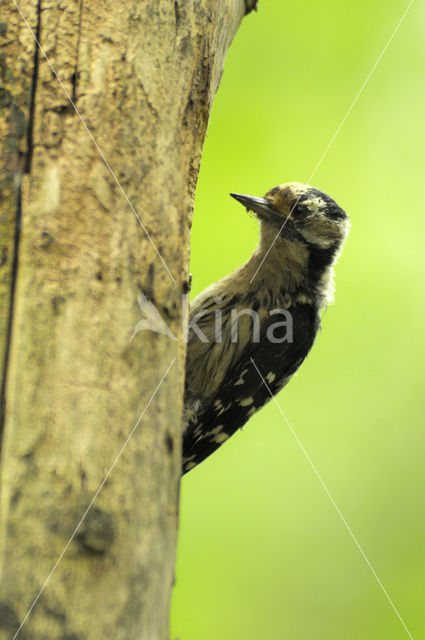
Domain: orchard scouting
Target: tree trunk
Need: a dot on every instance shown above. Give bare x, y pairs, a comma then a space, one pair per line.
96, 206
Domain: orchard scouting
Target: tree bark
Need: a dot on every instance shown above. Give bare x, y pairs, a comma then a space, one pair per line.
96, 205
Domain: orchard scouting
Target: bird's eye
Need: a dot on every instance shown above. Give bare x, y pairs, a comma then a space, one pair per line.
297, 210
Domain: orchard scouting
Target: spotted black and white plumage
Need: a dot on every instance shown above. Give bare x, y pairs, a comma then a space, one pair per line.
302, 233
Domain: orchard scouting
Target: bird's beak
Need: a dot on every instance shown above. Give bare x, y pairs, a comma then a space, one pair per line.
262, 207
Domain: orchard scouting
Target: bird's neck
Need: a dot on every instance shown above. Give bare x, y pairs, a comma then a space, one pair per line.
285, 264
278, 261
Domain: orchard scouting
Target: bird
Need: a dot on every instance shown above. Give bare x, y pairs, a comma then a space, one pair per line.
249, 332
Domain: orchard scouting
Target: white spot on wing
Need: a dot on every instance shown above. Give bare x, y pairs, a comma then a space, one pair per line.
246, 402
217, 430
271, 377
241, 380
220, 437
222, 409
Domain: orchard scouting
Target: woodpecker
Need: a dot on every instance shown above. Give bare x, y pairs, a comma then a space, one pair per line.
251, 331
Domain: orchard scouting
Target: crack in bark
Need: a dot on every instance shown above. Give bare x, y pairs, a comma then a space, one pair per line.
149, 103
18, 222
74, 77
13, 278
177, 14
36, 63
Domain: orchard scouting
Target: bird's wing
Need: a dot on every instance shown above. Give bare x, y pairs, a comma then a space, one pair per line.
243, 391
211, 350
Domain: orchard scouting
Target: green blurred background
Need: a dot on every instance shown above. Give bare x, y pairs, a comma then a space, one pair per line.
263, 552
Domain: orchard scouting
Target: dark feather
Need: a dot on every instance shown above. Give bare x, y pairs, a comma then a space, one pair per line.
203, 436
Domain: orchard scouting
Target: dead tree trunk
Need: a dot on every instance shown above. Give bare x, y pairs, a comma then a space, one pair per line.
102, 130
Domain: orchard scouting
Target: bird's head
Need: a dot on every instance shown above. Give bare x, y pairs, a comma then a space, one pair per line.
302, 213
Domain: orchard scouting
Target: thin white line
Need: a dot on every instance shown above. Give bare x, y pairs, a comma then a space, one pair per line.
361, 89
94, 141
319, 477
92, 501
338, 130
274, 240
